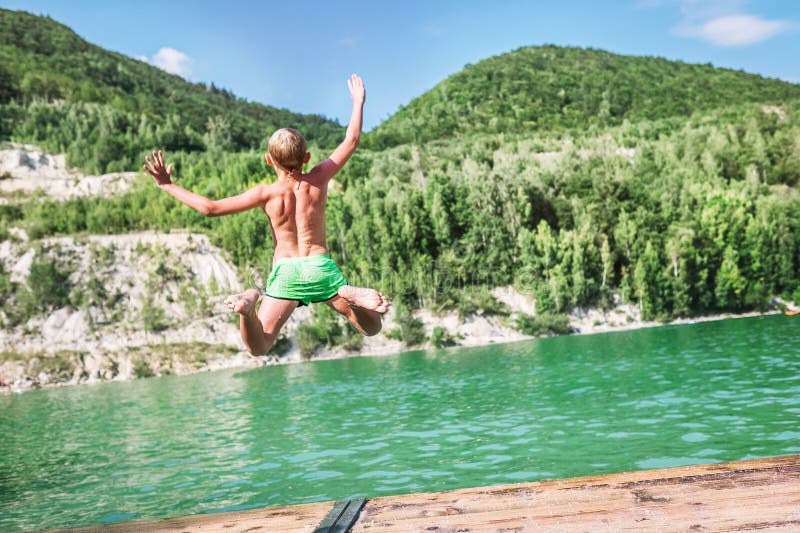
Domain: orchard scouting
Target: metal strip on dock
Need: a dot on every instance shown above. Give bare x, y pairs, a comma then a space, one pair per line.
342, 517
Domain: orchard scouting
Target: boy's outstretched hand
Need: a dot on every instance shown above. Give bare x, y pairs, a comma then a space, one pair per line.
156, 168
357, 91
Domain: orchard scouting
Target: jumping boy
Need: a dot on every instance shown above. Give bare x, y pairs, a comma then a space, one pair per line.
302, 271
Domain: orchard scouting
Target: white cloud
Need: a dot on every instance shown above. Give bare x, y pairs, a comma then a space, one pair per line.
734, 30
143, 58
173, 61
719, 22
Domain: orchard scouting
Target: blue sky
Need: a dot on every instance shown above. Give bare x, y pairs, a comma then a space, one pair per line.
298, 54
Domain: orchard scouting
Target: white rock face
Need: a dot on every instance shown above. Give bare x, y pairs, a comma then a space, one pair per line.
67, 325
26, 170
515, 300
21, 265
124, 267
26, 162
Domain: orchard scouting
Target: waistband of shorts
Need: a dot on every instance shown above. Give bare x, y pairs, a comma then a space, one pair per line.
301, 259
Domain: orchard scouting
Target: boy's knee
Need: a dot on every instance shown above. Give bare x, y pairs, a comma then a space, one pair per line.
256, 352
262, 348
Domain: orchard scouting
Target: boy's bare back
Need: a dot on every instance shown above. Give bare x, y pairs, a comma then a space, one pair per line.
296, 211
295, 204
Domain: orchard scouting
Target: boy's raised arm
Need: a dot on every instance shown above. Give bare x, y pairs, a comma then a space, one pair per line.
339, 157
211, 208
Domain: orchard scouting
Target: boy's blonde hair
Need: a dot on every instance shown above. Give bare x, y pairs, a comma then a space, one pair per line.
287, 147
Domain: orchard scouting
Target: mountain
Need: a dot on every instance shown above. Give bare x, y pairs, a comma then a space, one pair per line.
553, 87
118, 106
580, 179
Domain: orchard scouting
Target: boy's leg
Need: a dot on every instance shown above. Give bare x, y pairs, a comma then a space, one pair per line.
260, 329
363, 308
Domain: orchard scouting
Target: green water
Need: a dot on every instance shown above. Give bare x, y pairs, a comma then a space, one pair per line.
420, 421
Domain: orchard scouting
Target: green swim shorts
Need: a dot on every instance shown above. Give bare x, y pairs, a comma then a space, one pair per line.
311, 279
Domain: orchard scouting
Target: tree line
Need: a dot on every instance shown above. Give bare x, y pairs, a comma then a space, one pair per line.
680, 217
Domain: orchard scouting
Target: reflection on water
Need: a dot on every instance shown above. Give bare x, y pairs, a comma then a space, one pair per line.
421, 421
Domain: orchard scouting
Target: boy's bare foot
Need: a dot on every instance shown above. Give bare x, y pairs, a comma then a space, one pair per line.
243, 303
364, 298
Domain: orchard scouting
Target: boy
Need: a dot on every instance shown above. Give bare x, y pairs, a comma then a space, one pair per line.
302, 272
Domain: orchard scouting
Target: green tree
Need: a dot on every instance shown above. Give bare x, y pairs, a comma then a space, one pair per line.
730, 285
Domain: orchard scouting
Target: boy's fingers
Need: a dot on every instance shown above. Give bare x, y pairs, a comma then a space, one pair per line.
169, 169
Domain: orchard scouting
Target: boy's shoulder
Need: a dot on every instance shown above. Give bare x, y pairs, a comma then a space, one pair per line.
266, 190
323, 171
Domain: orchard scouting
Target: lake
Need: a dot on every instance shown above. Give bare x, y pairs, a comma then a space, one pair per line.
417, 421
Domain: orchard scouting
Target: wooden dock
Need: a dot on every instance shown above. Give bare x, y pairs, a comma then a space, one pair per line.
760, 494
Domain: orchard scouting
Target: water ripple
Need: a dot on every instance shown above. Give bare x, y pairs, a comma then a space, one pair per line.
421, 421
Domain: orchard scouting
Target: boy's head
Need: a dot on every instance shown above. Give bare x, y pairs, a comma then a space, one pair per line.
287, 148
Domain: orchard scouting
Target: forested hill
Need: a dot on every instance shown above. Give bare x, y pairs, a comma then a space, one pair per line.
554, 87
103, 108
581, 178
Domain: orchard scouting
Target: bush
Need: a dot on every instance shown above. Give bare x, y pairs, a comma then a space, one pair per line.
394, 334
441, 338
153, 318
544, 323
472, 301
281, 346
326, 329
141, 369
59, 366
410, 330
309, 339
480, 301
47, 288
351, 340
48, 284
5, 284
22, 307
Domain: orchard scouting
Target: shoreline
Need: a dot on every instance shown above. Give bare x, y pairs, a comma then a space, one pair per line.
383, 347
679, 321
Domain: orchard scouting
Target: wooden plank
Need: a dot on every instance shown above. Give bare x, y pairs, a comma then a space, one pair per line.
302, 518
762, 494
